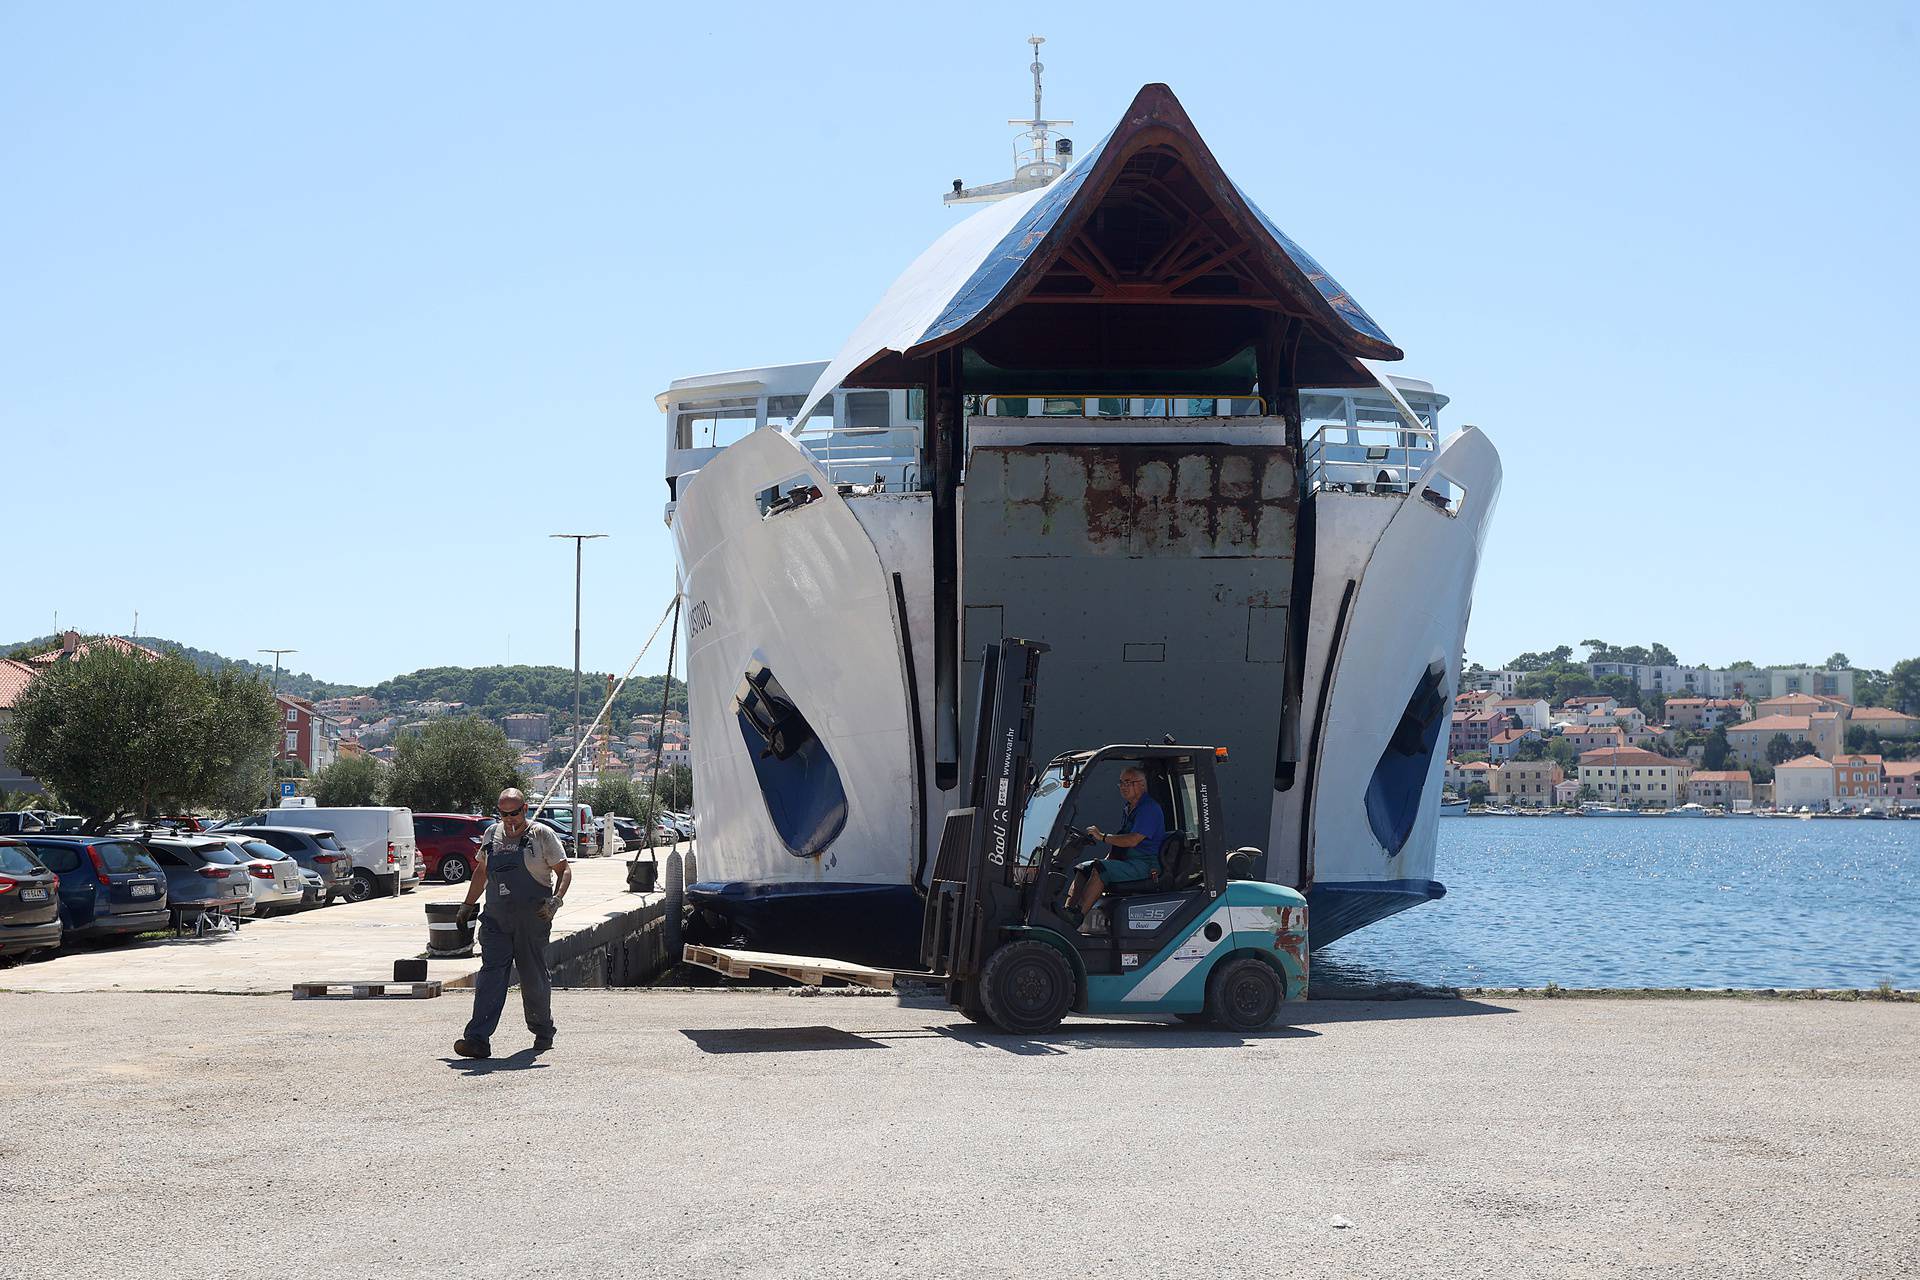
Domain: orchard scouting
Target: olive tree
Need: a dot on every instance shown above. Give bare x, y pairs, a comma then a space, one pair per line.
349, 781
456, 766
119, 733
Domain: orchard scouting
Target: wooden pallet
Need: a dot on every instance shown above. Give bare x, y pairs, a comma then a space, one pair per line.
735, 963
367, 990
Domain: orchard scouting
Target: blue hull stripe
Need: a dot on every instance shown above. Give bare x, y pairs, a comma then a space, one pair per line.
1335, 910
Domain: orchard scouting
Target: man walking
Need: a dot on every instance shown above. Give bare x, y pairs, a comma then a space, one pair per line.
523, 869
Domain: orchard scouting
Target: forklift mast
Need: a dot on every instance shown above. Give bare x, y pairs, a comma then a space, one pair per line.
970, 891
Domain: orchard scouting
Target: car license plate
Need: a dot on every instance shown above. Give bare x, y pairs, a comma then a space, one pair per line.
146, 890
33, 895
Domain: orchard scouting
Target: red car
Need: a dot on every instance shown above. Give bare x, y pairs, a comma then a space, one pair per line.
449, 844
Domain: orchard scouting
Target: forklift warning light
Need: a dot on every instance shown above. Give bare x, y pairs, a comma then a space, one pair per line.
1219, 753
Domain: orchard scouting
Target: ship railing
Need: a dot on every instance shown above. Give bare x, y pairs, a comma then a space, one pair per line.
1368, 459
889, 455
1087, 404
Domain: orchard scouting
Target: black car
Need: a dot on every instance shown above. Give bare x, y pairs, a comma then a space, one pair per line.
29, 902
316, 851
109, 887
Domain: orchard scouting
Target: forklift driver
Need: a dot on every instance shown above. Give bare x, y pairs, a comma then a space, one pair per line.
1136, 848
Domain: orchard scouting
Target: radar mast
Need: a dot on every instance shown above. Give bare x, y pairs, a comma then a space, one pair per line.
1038, 157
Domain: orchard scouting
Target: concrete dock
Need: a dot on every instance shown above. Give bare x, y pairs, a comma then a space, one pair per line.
760, 1134
352, 941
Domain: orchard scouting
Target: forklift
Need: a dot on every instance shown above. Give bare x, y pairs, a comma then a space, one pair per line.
1202, 939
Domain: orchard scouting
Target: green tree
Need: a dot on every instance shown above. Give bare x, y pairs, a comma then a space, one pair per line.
676, 788
117, 735
1555, 657
1661, 656
1477, 793
1530, 749
1781, 748
1838, 662
456, 765
1717, 750
350, 781
1561, 752
1903, 686
287, 768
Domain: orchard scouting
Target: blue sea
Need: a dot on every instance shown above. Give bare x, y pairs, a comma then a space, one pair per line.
1657, 902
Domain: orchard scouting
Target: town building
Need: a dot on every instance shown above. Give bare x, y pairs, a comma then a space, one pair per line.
1528, 784
1585, 738
1901, 778
1474, 730
14, 679
1588, 709
1502, 745
1567, 793
1884, 721
1814, 680
1803, 783
1823, 732
1632, 719
527, 726
1857, 779
1798, 704
1628, 775
1458, 776
349, 707
305, 734
1724, 787
1705, 713
1532, 713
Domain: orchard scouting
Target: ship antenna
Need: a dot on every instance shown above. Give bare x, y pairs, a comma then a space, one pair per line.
1038, 159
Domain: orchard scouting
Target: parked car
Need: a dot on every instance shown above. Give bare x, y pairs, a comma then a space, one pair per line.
273, 878
313, 891
628, 831
29, 902
204, 877
378, 838
560, 818
447, 843
316, 851
20, 821
110, 889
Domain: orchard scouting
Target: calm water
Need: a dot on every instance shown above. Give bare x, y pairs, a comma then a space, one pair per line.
1658, 902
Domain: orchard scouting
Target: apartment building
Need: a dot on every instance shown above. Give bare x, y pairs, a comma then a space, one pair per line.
1528, 783
1720, 787
1628, 775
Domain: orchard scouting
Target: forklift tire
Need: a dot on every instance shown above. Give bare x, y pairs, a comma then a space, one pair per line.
1245, 994
1026, 987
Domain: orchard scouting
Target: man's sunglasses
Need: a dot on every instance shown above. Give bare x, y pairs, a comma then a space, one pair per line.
511, 813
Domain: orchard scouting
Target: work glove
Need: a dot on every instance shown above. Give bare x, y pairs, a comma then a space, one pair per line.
466, 913
550, 909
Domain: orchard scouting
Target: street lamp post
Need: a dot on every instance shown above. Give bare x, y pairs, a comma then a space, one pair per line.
573, 774
276, 665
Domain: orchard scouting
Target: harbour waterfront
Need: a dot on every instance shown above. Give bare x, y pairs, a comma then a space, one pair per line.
1657, 902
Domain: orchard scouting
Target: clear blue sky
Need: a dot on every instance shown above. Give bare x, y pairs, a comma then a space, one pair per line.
315, 320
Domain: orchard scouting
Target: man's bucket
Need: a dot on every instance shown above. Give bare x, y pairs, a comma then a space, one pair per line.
446, 936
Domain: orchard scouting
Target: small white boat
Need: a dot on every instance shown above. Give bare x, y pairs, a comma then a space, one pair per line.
1606, 811
1452, 806
1693, 811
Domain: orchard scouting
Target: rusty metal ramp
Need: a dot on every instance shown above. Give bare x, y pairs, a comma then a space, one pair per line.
735, 963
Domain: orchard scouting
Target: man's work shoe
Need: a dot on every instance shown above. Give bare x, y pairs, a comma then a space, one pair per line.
542, 1043
471, 1049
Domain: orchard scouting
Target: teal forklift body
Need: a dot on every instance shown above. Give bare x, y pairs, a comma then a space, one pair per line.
1254, 918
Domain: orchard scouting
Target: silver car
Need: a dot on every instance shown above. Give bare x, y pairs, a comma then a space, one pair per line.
272, 877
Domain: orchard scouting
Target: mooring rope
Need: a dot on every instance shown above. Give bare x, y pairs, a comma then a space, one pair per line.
671, 610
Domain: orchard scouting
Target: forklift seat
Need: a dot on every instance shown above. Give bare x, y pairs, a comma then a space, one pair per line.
1179, 865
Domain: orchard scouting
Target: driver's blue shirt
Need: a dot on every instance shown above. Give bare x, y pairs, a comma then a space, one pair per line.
1146, 819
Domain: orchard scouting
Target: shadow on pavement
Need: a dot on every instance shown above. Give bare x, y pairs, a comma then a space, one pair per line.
778, 1039
524, 1060
1322, 1012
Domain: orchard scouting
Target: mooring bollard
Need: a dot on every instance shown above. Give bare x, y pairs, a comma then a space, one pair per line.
446, 936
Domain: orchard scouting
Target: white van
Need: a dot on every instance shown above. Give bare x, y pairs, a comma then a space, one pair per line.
385, 858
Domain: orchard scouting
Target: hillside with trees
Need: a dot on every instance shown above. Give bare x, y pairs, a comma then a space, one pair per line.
297, 683
498, 691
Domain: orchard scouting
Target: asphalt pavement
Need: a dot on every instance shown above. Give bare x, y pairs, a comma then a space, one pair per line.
727, 1133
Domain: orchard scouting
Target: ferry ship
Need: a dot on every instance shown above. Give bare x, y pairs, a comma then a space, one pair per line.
1118, 410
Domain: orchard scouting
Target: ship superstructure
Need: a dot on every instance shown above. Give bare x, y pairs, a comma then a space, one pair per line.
1122, 413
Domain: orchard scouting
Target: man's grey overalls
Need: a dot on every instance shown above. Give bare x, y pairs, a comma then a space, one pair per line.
512, 934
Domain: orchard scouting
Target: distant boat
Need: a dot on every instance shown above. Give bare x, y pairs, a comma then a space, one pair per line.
1452, 806
1606, 811
1692, 811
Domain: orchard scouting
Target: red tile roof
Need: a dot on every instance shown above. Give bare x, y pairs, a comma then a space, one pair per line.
1628, 755
1807, 762
1686, 702
1904, 769
1774, 724
14, 679
1511, 735
1880, 713
1723, 775
84, 646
